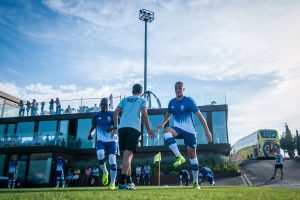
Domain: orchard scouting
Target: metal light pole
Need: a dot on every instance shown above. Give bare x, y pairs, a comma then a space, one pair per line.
146, 16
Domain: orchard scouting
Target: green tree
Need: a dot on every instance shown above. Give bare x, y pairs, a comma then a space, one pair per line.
288, 142
298, 142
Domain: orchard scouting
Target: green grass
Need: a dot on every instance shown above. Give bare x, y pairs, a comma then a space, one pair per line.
156, 193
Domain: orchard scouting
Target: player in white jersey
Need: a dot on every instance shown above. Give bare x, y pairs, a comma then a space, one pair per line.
107, 142
278, 163
182, 109
130, 130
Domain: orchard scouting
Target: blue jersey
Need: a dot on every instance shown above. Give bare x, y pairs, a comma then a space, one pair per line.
182, 111
184, 174
59, 164
12, 166
103, 121
206, 172
278, 159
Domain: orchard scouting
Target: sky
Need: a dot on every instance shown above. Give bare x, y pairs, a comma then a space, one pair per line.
248, 51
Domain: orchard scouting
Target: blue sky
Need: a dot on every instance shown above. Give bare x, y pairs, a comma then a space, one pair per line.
248, 49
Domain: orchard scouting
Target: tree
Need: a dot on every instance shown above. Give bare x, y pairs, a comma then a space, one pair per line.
288, 142
298, 142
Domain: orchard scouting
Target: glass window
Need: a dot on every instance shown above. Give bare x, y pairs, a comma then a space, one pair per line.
47, 133
48, 127
201, 137
2, 130
10, 129
83, 128
155, 120
10, 111
2, 162
219, 127
25, 131
39, 168
63, 129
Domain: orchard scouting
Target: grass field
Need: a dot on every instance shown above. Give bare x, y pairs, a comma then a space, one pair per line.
155, 193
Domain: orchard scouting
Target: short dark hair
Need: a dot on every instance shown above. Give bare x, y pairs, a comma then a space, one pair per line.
179, 82
104, 100
137, 89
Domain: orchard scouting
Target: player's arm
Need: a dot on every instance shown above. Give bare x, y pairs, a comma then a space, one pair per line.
91, 133
116, 116
166, 119
146, 122
204, 124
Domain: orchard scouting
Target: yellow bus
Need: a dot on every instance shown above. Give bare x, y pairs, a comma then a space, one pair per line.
260, 144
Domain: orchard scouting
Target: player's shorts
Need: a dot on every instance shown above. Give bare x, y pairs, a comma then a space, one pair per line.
110, 147
189, 138
138, 175
128, 139
280, 166
11, 176
59, 173
147, 174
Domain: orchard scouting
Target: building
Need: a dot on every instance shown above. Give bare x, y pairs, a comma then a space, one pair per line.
36, 140
9, 105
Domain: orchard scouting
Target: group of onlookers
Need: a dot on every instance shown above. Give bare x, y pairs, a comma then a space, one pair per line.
32, 108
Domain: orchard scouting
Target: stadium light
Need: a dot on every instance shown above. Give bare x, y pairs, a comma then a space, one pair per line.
146, 16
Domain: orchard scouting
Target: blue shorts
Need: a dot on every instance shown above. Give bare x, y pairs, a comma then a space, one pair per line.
189, 138
59, 173
110, 147
208, 177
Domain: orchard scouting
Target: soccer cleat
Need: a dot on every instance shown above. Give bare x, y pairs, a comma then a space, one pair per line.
273, 178
131, 186
105, 179
62, 186
112, 186
196, 186
179, 161
213, 184
123, 187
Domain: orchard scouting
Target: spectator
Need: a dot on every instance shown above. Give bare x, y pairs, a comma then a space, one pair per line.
88, 174
68, 110
147, 173
69, 177
28, 106
75, 180
58, 106
12, 170
33, 107
60, 161
278, 163
95, 175
51, 106
138, 173
36, 107
42, 107
21, 109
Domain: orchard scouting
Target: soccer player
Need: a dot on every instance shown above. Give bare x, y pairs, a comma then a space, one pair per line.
206, 174
184, 175
107, 142
278, 163
182, 108
12, 170
130, 131
60, 161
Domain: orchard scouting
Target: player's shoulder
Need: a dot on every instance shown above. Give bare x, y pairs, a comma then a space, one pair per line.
189, 99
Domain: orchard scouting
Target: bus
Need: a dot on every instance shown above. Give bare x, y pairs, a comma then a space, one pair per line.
258, 145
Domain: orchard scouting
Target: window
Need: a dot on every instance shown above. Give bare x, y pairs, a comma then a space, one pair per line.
83, 128
2, 162
39, 168
2, 130
10, 129
219, 127
155, 120
201, 137
25, 131
63, 130
47, 127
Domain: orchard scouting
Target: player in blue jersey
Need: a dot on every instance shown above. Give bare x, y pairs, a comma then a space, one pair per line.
182, 109
107, 142
130, 130
278, 163
12, 170
60, 177
206, 174
184, 176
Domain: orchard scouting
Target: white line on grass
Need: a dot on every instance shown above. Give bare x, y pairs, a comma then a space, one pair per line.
243, 180
249, 182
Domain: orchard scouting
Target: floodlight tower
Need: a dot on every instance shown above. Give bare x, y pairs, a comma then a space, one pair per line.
146, 16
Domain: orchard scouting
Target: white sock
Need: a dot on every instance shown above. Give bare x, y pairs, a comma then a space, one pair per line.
173, 147
195, 171
104, 170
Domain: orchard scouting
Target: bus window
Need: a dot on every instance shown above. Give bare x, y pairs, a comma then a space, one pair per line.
268, 134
